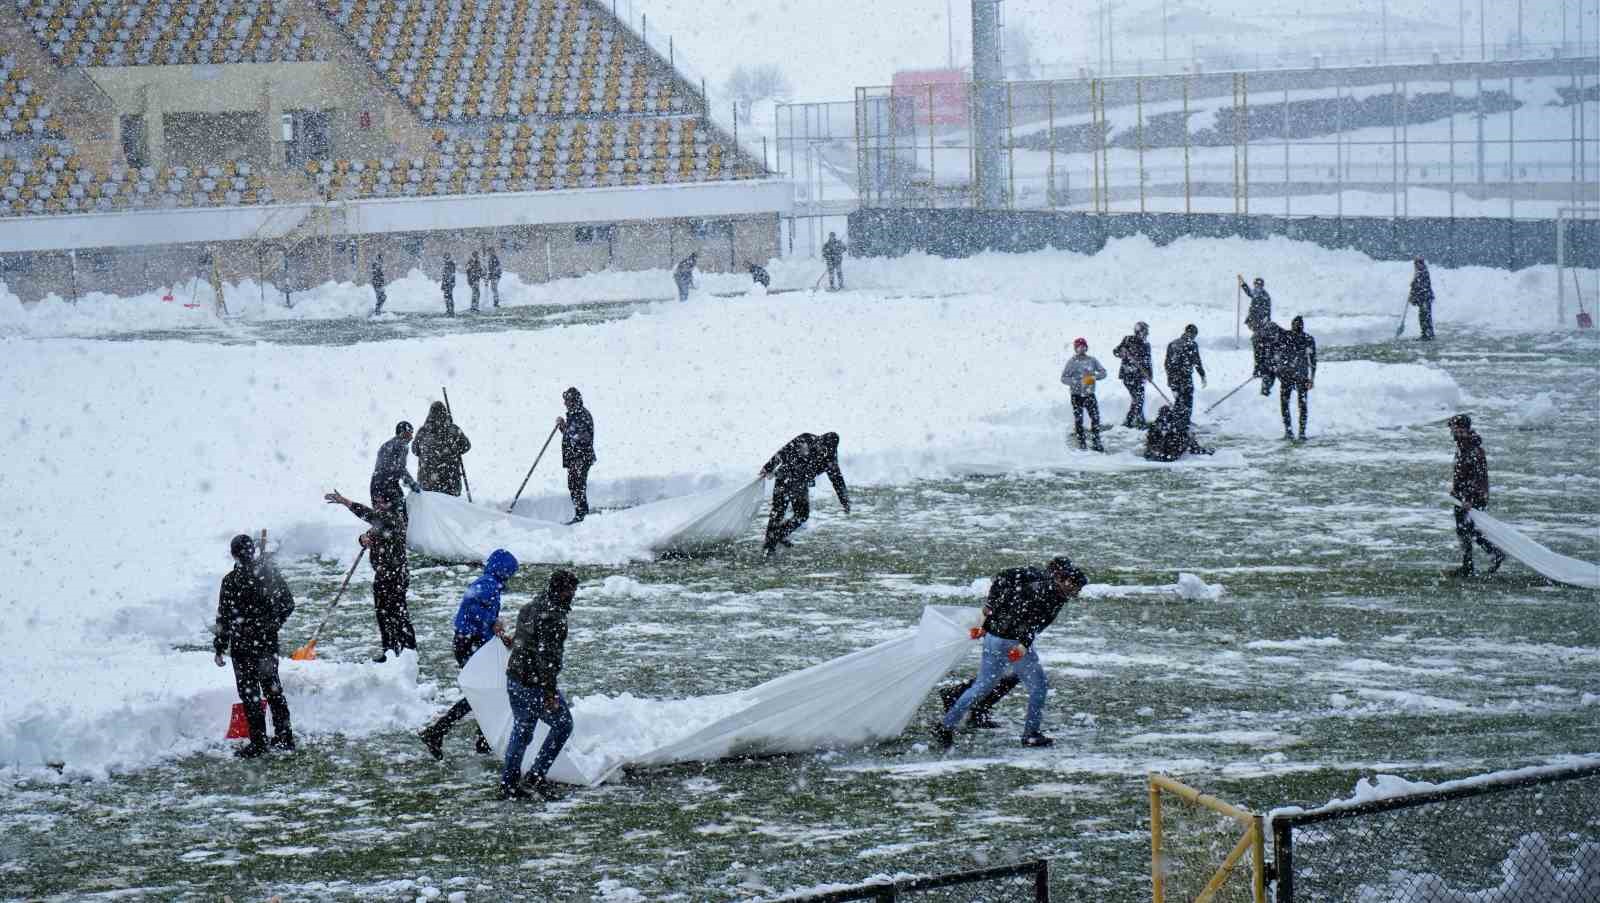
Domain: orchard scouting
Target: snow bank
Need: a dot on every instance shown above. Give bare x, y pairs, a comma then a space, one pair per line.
1529, 873
1387, 786
1130, 275
150, 704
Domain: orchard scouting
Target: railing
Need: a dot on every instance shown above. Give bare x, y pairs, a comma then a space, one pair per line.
890, 892
1230, 58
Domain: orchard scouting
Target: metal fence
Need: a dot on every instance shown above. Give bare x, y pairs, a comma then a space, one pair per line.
1020, 881
1513, 139
1522, 839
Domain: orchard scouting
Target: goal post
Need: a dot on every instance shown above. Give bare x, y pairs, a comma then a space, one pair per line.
1198, 846
1571, 222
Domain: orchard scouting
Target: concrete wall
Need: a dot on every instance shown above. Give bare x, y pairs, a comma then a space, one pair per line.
1503, 243
534, 253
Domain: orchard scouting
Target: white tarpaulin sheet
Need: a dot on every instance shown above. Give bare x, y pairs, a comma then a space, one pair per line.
1557, 567
857, 699
453, 529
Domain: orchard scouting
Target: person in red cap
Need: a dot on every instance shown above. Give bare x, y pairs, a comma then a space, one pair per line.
1080, 375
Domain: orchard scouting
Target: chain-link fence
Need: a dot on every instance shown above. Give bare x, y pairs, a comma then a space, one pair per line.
1522, 838
1500, 139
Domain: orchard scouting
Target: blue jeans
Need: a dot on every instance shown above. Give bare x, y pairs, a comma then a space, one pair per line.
994, 666
527, 710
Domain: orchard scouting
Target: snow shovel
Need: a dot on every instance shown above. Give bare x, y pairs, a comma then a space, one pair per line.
1152, 381
513, 506
308, 652
1230, 394
1584, 320
1401, 329
464, 480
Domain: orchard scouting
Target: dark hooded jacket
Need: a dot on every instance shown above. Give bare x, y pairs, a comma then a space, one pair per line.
253, 605
1422, 287
833, 251
439, 445
474, 269
683, 273
1165, 440
378, 282
1471, 480
1296, 355
806, 457
447, 278
391, 465
1260, 307
540, 643
480, 606
1022, 603
387, 549
577, 439
494, 267
1183, 356
1135, 355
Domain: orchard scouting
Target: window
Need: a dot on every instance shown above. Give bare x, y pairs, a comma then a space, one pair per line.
710, 228
587, 234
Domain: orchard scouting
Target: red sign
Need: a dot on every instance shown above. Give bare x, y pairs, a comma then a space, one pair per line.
934, 96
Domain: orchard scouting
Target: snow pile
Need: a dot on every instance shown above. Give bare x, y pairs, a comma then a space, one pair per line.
1529, 874
1189, 588
817, 708
131, 720
1352, 299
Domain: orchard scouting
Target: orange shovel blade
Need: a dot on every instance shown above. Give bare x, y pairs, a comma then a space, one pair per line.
305, 653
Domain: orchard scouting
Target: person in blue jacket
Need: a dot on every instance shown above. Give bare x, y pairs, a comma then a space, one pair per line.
475, 621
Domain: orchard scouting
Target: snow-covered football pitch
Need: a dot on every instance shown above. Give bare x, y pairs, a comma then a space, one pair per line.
1326, 646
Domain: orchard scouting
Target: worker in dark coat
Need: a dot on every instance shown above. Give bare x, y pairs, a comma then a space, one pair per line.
758, 275
390, 470
447, 285
476, 618
1470, 487
1422, 297
577, 451
1256, 319
494, 273
683, 275
1183, 360
833, 255
474, 277
1297, 370
1134, 352
1022, 603
538, 649
439, 446
391, 572
251, 608
378, 284
1170, 438
795, 467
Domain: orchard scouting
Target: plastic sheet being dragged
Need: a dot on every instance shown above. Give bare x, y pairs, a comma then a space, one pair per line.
1553, 565
453, 529
865, 697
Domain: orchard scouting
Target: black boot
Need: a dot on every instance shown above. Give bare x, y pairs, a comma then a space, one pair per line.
284, 740
1496, 558
482, 746
1095, 444
543, 789
943, 737
433, 739
1037, 739
251, 750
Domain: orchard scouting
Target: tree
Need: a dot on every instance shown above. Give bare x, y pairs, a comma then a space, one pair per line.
749, 84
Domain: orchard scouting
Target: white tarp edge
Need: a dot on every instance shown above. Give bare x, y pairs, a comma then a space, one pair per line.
450, 528
861, 698
1557, 567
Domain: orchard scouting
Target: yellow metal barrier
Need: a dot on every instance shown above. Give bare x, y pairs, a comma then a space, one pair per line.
1250, 842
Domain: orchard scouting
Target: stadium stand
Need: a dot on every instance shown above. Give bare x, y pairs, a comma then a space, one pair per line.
566, 154
23, 110
57, 180
163, 32
462, 61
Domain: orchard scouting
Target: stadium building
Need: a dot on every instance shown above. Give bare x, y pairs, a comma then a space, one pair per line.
291, 140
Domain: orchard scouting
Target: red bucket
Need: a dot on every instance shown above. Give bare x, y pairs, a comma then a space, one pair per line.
238, 724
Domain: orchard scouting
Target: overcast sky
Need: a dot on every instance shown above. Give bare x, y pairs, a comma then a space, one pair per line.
827, 47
